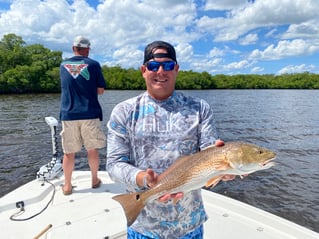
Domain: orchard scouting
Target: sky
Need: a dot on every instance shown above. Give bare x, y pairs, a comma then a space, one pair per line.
217, 36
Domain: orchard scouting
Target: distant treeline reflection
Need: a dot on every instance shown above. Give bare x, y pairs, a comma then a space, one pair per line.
35, 69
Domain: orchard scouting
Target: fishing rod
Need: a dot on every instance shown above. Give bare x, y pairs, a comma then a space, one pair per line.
54, 167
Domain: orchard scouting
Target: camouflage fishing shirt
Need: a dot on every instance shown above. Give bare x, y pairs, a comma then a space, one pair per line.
146, 133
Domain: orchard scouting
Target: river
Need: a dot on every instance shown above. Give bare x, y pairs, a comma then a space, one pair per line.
285, 121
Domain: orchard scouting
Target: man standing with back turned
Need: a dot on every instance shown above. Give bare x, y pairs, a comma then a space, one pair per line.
81, 83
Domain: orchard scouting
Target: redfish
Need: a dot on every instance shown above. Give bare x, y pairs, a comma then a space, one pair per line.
205, 168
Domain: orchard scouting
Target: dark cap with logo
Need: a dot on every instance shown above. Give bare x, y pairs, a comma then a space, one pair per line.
149, 49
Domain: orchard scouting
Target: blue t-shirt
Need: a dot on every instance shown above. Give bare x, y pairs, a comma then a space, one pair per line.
80, 77
145, 133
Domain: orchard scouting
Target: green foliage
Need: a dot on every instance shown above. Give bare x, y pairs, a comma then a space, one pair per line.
26, 69
118, 78
304, 80
34, 68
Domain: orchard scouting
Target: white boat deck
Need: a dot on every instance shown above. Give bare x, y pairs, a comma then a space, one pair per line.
86, 213
92, 213
231, 219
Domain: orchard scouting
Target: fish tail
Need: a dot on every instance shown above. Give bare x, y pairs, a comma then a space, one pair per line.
132, 205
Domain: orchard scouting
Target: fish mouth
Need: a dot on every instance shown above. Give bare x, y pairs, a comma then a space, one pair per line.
268, 163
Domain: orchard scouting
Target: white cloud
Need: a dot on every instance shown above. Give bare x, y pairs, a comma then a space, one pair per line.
184, 51
237, 65
257, 70
271, 33
296, 69
128, 55
309, 30
211, 66
205, 33
285, 49
264, 13
111, 25
249, 39
223, 4
215, 52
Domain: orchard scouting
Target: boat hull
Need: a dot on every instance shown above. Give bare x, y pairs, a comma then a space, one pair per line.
92, 213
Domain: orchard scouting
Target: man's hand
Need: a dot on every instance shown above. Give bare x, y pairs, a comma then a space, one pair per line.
146, 178
219, 143
228, 177
175, 197
149, 179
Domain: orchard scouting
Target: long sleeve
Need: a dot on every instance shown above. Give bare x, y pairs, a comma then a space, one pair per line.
119, 163
145, 133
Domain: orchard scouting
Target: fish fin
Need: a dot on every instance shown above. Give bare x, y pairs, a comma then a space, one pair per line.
221, 164
213, 181
132, 205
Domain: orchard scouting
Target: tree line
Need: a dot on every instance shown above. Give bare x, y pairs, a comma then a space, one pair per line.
35, 69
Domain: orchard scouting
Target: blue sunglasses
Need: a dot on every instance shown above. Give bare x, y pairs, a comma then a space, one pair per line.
155, 65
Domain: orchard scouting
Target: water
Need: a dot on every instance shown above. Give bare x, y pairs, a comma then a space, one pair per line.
286, 121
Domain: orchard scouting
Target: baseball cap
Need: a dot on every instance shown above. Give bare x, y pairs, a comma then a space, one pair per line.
148, 52
81, 41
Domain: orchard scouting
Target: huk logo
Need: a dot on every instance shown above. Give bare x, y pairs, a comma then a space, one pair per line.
170, 124
76, 69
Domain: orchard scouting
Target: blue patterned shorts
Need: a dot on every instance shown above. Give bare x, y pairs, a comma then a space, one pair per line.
196, 234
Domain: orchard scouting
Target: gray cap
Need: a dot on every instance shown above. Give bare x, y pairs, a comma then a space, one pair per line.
81, 41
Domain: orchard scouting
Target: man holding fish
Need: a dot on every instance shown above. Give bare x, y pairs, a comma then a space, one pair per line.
146, 136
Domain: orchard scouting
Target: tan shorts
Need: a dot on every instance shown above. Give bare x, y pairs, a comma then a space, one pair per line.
76, 133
